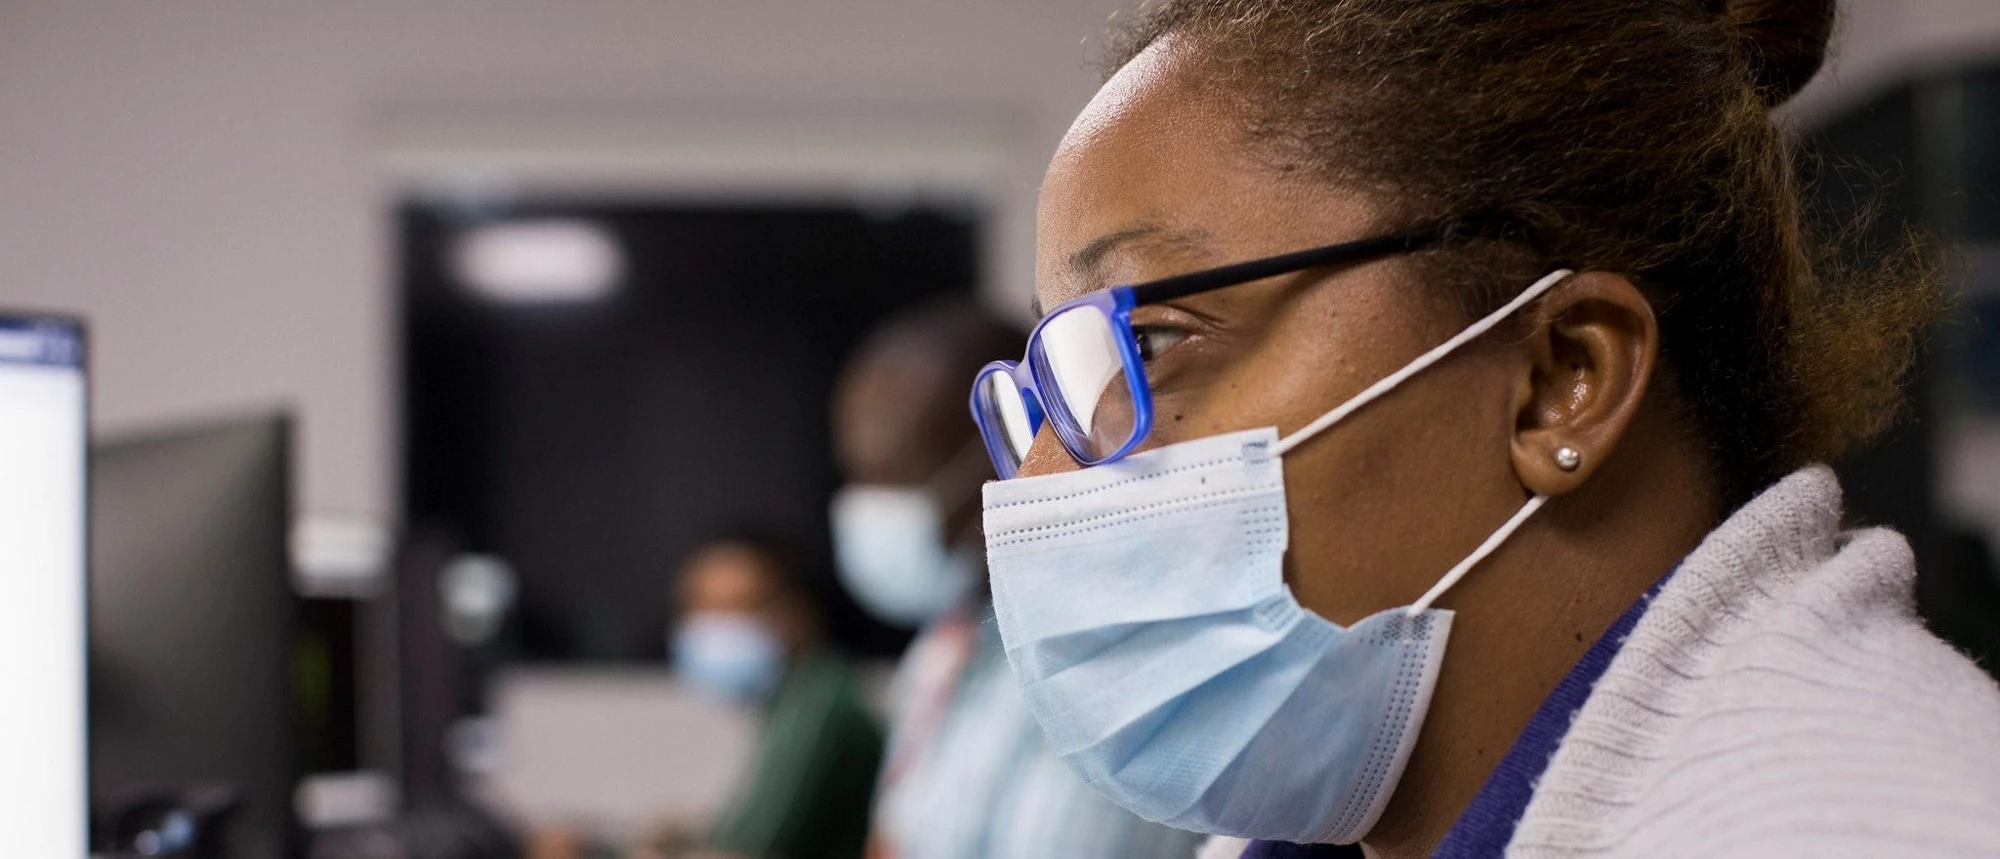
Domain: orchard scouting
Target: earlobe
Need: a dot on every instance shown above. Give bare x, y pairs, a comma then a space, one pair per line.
1591, 357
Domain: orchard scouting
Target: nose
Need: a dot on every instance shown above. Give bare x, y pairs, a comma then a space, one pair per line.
1046, 455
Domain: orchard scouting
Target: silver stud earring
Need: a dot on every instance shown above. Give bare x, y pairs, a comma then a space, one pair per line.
1567, 458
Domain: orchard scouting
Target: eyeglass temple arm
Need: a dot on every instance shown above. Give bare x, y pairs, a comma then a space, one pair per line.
1166, 289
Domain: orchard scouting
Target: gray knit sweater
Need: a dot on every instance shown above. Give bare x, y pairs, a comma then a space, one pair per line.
1779, 698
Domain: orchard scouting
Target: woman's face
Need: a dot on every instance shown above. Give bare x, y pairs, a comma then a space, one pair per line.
1153, 180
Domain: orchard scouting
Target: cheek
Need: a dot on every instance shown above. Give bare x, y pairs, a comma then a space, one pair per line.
1227, 403
1385, 502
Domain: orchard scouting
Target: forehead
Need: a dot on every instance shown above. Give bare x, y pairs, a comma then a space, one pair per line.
1133, 152
728, 577
1155, 177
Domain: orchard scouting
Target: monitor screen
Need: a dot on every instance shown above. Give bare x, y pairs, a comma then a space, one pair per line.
43, 438
192, 632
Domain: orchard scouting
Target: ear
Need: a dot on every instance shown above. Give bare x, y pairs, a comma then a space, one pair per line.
1591, 356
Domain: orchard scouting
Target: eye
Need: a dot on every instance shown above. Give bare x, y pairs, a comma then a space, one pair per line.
1155, 340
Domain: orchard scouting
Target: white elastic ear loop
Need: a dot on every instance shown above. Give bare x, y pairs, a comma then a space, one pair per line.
1492, 542
1436, 354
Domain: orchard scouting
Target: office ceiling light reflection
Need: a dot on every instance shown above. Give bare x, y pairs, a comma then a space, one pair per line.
554, 261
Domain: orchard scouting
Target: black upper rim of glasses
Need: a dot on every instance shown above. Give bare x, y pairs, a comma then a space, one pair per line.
1345, 253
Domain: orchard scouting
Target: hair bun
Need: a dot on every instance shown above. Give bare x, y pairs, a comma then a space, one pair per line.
1784, 40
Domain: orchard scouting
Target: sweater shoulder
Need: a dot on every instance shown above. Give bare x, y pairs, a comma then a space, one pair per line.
1834, 735
1844, 634
1838, 673
1780, 697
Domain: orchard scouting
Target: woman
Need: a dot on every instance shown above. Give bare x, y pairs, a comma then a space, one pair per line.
1483, 323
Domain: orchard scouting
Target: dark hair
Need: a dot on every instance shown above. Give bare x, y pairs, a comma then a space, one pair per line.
1631, 136
785, 558
955, 329
943, 342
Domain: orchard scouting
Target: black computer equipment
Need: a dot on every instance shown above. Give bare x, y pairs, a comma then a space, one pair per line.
192, 629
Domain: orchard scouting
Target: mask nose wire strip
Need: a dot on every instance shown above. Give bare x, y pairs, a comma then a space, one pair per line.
1492, 542
1423, 361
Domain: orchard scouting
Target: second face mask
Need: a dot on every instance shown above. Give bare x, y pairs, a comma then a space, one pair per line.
890, 546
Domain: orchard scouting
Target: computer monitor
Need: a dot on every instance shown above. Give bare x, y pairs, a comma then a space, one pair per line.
192, 622
44, 431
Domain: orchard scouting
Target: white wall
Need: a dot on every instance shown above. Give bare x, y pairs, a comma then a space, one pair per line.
1880, 41
206, 180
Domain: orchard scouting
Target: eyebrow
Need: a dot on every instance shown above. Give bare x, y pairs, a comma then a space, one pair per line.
1087, 262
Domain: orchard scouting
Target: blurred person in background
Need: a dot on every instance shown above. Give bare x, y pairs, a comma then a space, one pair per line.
750, 633
969, 775
1450, 478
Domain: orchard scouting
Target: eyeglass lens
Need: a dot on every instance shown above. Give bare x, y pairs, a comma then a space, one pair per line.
1081, 350
1001, 401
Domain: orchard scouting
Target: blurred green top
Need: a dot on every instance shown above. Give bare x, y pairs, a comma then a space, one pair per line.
810, 787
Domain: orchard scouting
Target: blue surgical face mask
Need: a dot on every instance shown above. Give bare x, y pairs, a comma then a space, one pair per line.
890, 546
892, 556
1144, 611
734, 658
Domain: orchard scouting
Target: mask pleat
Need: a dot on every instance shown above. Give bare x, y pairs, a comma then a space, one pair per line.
1150, 667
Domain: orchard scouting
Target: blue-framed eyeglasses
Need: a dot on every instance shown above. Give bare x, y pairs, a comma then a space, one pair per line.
1085, 370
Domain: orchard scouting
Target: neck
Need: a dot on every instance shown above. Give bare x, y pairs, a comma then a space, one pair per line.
1528, 614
